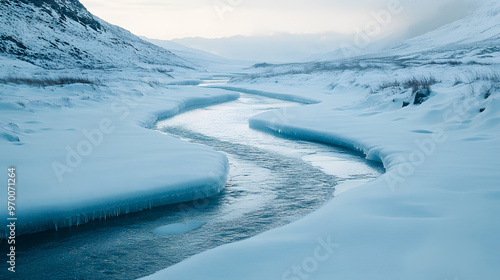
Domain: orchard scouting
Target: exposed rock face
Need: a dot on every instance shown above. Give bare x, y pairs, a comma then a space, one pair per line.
67, 9
421, 96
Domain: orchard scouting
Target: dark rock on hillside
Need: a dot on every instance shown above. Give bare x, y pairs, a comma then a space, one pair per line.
421, 96
60, 34
68, 9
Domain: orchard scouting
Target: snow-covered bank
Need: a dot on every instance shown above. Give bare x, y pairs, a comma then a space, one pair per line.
281, 96
85, 152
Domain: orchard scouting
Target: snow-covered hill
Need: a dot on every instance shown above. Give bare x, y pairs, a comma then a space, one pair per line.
62, 33
194, 55
476, 34
474, 37
200, 59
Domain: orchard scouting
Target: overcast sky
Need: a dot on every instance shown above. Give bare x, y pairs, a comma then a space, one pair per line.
168, 19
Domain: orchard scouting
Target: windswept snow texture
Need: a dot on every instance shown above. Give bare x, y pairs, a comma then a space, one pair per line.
63, 34
434, 214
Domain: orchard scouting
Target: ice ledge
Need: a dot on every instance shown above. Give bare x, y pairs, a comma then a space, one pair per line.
123, 185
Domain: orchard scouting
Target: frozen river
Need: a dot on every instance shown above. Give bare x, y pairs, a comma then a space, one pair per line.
273, 181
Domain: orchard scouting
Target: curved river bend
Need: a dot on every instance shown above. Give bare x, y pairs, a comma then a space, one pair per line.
273, 181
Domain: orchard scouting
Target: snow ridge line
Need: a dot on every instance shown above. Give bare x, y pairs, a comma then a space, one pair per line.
187, 105
308, 134
280, 96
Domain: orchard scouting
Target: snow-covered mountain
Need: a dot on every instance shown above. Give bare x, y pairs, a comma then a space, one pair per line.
202, 59
62, 33
474, 37
192, 54
479, 30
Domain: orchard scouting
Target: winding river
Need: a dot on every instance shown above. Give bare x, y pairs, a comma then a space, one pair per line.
273, 181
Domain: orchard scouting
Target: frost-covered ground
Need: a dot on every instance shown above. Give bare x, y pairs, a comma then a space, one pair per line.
84, 151
434, 214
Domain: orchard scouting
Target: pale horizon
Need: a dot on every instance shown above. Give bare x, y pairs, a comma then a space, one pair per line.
176, 19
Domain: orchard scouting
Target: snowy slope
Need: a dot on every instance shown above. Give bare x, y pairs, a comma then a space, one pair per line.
345, 50
474, 36
201, 59
478, 30
62, 33
186, 52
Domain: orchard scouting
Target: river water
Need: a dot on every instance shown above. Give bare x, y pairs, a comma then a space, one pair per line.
273, 181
